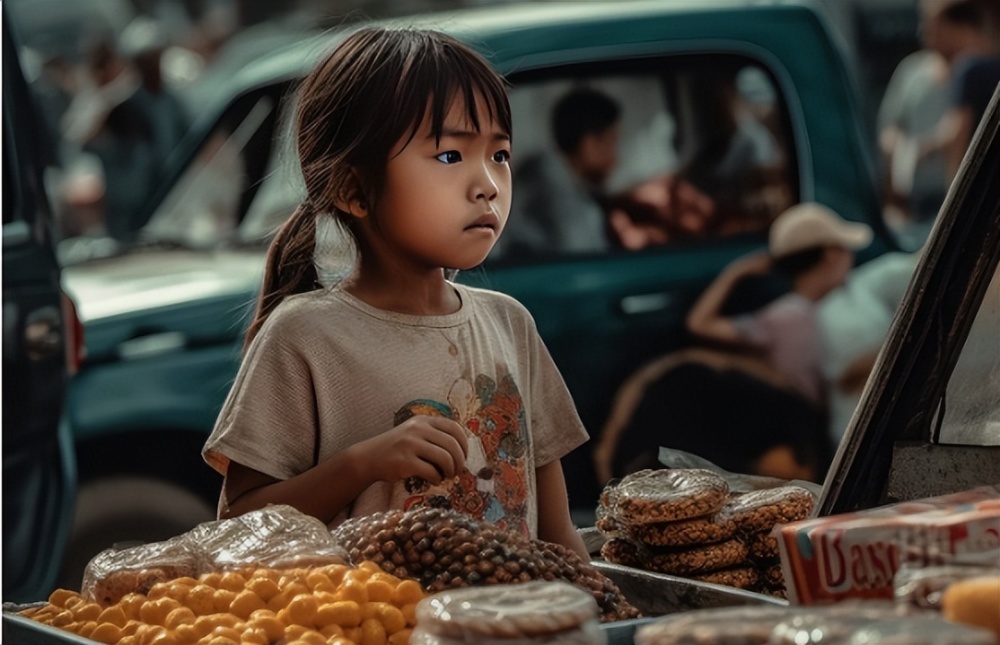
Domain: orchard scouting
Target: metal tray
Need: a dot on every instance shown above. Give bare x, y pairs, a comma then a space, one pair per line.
654, 594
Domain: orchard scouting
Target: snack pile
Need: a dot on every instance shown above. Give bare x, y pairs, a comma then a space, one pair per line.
444, 549
333, 604
686, 522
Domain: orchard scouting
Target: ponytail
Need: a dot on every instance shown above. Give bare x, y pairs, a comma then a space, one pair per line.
289, 268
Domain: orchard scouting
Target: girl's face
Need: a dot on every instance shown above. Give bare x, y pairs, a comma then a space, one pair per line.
445, 202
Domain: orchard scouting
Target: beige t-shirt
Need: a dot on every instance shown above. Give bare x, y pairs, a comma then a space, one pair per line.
328, 370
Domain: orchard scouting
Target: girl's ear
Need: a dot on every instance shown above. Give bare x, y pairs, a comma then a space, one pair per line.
351, 198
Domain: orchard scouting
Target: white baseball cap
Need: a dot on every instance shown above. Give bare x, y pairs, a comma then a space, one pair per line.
810, 225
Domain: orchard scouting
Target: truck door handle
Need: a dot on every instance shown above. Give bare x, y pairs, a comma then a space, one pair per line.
646, 303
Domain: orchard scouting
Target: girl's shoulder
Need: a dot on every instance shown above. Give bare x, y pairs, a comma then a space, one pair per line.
494, 301
301, 312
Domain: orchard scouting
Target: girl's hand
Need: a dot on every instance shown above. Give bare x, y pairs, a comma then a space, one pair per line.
432, 448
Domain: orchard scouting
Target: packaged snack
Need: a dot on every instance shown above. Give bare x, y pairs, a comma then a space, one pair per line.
276, 536
918, 630
533, 612
857, 555
923, 586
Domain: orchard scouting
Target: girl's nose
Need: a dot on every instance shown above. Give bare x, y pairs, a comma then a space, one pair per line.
485, 185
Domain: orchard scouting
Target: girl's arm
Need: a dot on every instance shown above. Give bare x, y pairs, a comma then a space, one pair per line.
433, 448
554, 522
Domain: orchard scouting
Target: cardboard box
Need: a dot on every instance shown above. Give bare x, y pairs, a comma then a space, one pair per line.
856, 555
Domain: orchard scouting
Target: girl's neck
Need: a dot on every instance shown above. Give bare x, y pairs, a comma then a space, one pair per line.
429, 295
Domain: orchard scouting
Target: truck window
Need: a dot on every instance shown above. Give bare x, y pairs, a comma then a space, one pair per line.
644, 154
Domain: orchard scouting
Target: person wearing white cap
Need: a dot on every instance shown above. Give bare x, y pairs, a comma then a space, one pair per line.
815, 247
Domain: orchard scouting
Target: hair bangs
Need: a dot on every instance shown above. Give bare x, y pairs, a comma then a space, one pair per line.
439, 70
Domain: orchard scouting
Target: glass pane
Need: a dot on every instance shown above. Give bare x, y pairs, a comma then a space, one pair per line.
972, 404
660, 152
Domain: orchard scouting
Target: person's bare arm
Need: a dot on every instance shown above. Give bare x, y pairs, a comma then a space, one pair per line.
554, 521
433, 448
705, 318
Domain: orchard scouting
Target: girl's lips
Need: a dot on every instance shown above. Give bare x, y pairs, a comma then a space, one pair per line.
488, 220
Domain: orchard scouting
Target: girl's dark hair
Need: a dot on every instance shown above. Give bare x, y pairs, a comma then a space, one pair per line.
371, 92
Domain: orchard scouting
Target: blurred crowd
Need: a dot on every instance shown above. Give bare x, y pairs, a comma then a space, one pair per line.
119, 82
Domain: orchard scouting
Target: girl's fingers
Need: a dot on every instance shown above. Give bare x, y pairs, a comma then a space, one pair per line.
454, 430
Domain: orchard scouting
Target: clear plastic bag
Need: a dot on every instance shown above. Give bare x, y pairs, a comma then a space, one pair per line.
276, 536
555, 612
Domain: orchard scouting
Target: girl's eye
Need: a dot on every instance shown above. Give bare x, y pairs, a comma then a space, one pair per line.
449, 157
501, 156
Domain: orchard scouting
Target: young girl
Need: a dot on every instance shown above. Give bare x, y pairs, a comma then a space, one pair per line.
394, 387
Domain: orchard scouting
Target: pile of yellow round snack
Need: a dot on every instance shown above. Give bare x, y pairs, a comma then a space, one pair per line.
331, 604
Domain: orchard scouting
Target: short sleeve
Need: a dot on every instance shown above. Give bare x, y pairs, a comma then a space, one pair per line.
556, 428
269, 421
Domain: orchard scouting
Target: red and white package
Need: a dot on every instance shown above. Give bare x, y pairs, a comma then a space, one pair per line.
856, 555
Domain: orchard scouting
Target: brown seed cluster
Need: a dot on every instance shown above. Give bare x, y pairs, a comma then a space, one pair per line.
442, 549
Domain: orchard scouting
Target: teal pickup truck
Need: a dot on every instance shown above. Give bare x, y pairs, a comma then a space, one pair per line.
696, 81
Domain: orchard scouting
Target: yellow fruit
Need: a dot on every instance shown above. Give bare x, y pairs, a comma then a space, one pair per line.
179, 616
232, 581
114, 615
401, 637
87, 611
353, 590
265, 588
206, 625
219, 640
332, 630
407, 591
345, 613
361, 574
245, 603
334, 572
211, 579
231, 633
187, 633
222, 599
131, 603
293, 632
165, 637
148, 633
302, 609
270, 625
390, 616
63, 618
410, 614
60, 596
154, 612
131, 627
254, 636
373, 633
379, 590
87, 628
201, 599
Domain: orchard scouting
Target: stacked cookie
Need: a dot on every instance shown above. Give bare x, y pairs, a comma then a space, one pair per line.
687, 522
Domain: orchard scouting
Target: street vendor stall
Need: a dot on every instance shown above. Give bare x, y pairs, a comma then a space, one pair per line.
679, 553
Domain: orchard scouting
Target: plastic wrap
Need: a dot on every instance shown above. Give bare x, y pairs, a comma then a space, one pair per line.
275, 537
919, 630
534, 612
923, 586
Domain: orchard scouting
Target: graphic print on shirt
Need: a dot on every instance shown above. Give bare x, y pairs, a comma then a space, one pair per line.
493, 485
